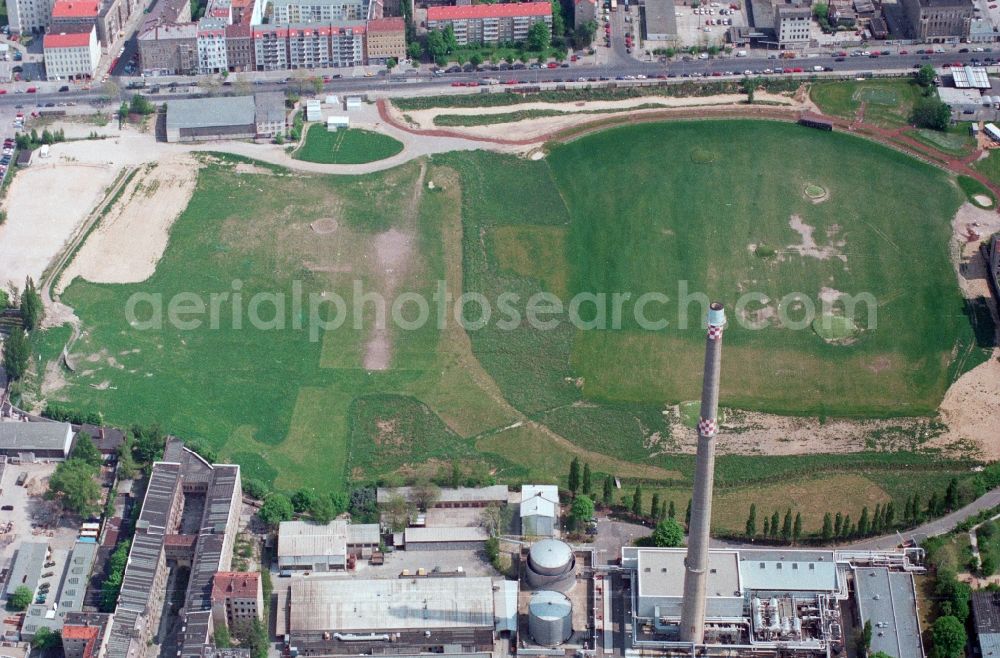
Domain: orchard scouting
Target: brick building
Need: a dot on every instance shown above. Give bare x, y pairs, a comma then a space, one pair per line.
386, 38
237, 599
169, 49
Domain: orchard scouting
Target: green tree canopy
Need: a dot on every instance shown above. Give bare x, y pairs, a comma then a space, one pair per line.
539, 37
31, 304
74, 484
20, 599
931, 112
16, 353
948, 636
303, 499
46, 639
668, 533
85, 450
582, 510
925, 76
276, 508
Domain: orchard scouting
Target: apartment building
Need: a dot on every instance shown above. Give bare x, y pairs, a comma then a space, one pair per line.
308, 46
287, 12
386, 39
26, 16
170, 49
939, 21
239, 47
71, 53
65, 12
212, 51
498, 23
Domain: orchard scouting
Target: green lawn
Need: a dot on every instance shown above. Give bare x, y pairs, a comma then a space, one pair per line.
954, 141
351, 146
990, 166
521, 403
887, 102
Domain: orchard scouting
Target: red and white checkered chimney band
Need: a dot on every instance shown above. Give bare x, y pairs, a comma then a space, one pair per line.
708, 427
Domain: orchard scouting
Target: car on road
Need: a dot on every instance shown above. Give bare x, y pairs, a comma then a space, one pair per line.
838, 59
64, 88
30, 90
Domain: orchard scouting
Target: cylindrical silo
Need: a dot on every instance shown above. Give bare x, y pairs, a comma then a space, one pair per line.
550, 618
551, 565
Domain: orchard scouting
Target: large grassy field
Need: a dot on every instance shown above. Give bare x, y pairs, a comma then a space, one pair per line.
351, 146
635, 210
887, 102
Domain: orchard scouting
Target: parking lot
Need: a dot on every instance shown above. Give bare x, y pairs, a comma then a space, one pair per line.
707, 24
30, 517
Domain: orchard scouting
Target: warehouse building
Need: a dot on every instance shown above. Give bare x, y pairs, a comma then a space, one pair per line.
449, 498
313, 547
885, 598
660, 22
68, 594
31, 441
329, 615
539, 509
444, 539
27, 566
225, 117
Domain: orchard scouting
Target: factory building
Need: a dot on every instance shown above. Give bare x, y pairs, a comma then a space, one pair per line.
775, 597
189, 519
306, 546
31, 441
330, 615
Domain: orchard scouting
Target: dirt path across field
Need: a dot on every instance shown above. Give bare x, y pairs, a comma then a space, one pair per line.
394, 254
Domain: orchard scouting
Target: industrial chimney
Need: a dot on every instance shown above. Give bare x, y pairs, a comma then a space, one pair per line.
696, 564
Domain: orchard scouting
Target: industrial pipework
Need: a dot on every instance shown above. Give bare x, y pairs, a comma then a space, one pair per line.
696, 564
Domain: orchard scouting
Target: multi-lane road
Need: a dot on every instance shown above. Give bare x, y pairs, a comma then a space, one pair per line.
424, 82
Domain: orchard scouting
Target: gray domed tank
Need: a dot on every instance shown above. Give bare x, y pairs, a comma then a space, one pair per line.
550, 618
551, 565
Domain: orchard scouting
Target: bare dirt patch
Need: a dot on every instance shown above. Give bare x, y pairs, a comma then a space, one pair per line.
247, 168
129, 241
324, 226
808, 246
982, 200
970, 226
45, 205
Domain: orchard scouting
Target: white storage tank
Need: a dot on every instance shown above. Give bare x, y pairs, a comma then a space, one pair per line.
550, 618
551, 565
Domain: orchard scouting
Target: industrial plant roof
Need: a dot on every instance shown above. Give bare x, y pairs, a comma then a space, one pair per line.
887, 599
159, 498
210, 112
34, 436
348, 605
788, 571
495, 493
661, 572
966, 77
661, 17
299, 538
539, 500
489, 11
460, 534
27, 566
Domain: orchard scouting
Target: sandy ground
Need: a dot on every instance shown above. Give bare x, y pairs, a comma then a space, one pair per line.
45, 204
131, 238
424, 119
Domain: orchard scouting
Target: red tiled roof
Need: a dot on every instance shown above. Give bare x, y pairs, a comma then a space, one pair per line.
395, 24
86, 9
79, 632
236, 585
66, 40
489, 11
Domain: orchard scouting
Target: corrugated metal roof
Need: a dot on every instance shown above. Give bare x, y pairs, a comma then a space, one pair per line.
26, 437
210, 112
348, 605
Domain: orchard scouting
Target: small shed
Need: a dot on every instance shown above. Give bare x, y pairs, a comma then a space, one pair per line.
331, 100
313, 112
353, 102
24, 157
335, 123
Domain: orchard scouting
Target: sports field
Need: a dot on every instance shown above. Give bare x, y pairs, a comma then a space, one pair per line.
887, 102
638, 209
351, 146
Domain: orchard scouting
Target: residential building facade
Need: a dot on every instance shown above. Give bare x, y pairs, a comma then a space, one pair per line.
286, 12
239, 48
792, 24
212, 46
169, 49
71, 54
27, 16
939, 21
386, 39
499, 23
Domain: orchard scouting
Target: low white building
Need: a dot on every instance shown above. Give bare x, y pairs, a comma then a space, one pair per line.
312, 547
335, 123
539, 509
73, 52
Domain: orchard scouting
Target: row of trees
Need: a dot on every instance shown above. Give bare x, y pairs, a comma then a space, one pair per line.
16, 347
839, 526
27, 141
